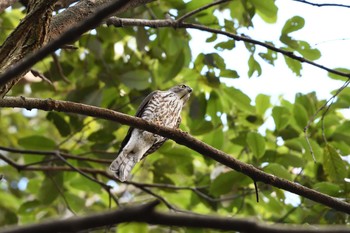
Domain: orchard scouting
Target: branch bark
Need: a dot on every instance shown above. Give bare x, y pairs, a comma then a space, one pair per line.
179, 137
146, 213
29, 35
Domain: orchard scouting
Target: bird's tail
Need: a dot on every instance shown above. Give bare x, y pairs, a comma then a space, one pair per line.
122, 166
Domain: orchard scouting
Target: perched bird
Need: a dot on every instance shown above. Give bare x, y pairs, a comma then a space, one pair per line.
159, 107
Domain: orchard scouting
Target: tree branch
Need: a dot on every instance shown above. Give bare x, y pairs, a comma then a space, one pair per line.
124, 22
27, 62
53, 153
322, 4
146, 213
179, 137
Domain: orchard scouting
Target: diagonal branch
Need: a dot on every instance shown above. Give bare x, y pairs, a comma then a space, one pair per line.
146, 213
125, 22
179, 137
27, 62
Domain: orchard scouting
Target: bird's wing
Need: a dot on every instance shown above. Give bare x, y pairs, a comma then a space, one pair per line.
138, 114
157, 145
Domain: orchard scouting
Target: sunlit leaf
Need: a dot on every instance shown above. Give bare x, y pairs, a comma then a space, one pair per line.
266, 9
262, 103
281, 116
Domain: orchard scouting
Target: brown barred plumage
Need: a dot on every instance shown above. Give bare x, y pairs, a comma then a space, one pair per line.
159, 107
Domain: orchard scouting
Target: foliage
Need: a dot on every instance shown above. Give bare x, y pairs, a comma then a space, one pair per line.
115, 68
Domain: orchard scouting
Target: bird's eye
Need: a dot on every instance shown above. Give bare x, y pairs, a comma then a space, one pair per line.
183, 86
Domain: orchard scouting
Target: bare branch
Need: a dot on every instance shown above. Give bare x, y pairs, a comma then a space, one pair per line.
179, 137
146, 213
52, 153
322, 4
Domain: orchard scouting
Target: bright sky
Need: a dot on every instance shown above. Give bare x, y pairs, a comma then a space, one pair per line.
323, 30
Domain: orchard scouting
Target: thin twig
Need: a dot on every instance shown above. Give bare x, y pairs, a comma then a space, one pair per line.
189, 14
59, 68
256, 191
324, 107
40, 75
322, 4
61, 194
80, 171
53, 153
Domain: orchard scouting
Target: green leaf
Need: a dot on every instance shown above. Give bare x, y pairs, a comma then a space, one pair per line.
308, 52
338, 77
60, 123
36, 142
254, 66
28, 207
229, 45
102, 135
262, 103
84, 184
222, 184
214, 60
333, 165
294, 24
281, 116
278, 170
198, 106
327, 188
132, 227
300, 115
176, 66
266, 9
76, 203
240, 99
290, 160
137, 79
48, 191
293, 65
256, 144
229, 73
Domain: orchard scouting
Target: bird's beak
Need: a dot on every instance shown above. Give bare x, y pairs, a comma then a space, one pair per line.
189, 90
186, 95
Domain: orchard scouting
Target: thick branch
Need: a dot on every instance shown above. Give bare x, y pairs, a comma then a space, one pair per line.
10, 76
85, 8
180, 137
146, 213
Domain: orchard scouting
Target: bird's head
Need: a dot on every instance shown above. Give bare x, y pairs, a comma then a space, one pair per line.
182, 91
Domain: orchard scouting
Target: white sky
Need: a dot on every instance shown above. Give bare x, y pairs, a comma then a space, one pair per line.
324, 29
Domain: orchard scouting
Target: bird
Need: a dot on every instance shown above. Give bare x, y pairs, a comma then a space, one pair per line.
160, 107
